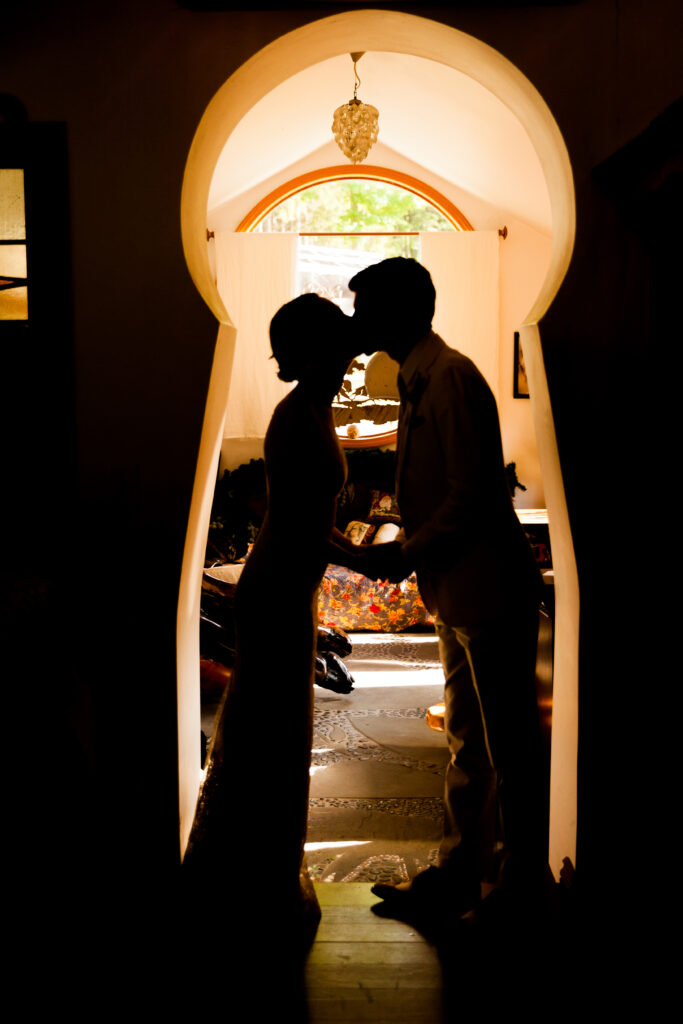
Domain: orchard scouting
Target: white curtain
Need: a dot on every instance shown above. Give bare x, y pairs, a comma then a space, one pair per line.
256, 274
464, 269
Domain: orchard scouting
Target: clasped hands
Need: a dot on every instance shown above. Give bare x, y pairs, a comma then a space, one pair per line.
383, 562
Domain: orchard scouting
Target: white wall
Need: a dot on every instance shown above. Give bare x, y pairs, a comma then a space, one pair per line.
234, 452
524, 259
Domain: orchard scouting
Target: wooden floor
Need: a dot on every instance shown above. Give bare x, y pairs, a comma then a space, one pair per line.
365, 968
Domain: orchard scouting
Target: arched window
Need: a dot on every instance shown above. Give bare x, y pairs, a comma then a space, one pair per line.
348, 218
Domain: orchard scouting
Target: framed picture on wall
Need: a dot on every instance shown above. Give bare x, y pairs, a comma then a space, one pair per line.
520, 387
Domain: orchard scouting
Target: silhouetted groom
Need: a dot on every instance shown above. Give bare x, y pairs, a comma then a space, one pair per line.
477, 575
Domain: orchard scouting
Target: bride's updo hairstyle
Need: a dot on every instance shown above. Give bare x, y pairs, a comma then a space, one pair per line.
303, 332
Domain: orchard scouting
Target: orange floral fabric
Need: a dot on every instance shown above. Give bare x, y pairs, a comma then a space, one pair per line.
351, 602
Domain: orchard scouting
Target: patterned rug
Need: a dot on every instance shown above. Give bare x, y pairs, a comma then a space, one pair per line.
378, 836
414, 650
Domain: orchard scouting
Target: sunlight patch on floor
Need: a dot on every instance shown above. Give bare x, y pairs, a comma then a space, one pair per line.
336, 844
389, 669
383, 638
381, 677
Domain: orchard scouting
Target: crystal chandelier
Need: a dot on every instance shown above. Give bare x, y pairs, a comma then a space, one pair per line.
355, 124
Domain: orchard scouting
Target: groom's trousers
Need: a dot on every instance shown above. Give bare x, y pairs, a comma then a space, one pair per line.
495, 787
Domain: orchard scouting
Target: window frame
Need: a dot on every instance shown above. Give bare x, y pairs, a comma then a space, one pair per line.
8, 282
344, 172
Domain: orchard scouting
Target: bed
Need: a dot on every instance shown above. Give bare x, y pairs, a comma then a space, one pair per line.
352, 602
346, 599
367, 513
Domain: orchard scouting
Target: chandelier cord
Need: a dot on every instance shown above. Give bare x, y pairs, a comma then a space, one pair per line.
355, 88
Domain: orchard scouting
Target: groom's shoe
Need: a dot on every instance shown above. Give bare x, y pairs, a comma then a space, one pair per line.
434, 891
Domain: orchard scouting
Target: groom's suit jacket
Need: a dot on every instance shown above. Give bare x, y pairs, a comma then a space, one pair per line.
472, 558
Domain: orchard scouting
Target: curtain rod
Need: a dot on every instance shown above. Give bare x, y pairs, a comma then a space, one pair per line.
503, 233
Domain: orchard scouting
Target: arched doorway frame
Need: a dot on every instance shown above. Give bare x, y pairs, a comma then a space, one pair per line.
398, 32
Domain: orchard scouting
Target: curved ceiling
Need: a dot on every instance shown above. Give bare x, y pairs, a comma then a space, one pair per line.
434, 115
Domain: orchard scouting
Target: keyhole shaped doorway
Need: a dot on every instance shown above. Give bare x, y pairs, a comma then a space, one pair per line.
446, 48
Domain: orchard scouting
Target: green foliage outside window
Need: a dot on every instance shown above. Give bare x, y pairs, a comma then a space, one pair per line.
351, 205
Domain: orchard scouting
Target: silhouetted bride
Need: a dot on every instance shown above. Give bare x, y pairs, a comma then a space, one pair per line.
261, 754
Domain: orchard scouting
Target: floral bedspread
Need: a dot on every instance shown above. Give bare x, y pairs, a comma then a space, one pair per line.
353, 602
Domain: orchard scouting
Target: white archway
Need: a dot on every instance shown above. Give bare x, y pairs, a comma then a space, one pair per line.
401, 33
